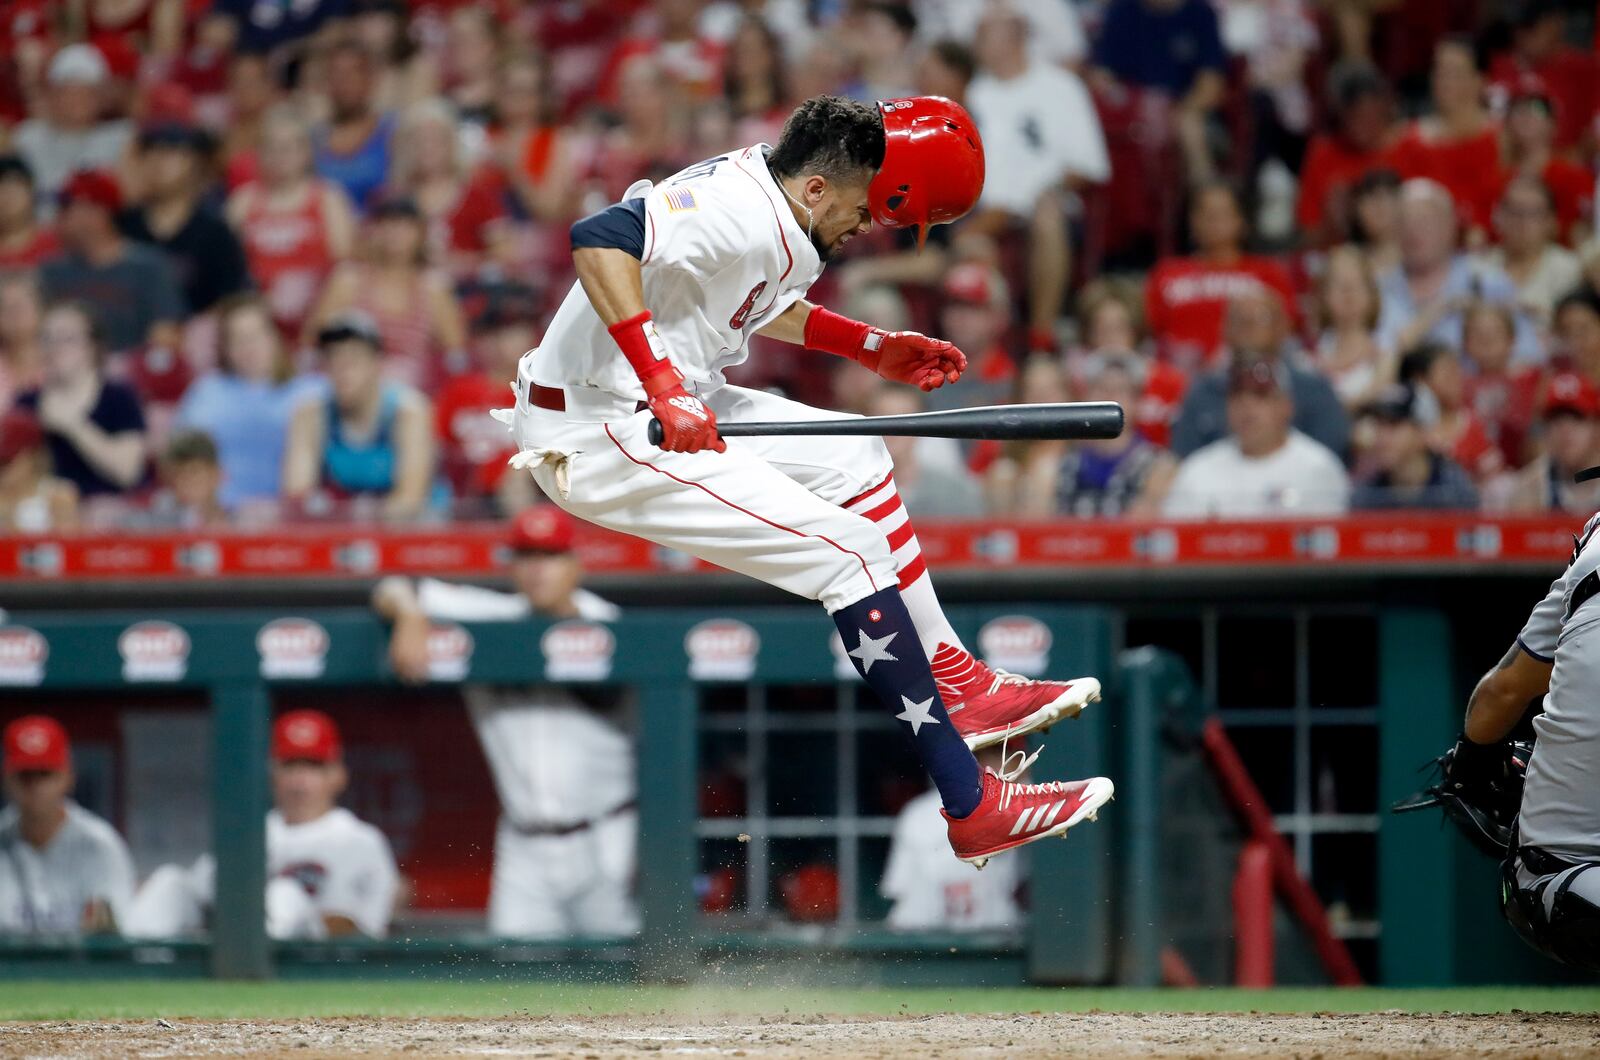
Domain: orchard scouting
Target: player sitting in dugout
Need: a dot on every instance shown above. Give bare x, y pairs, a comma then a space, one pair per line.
565, 845
329, 874
673, 282
64, 872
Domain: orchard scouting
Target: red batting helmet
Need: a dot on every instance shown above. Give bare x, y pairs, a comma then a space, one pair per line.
932, 169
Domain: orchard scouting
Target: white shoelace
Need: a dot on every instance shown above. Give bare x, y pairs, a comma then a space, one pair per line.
1009, 772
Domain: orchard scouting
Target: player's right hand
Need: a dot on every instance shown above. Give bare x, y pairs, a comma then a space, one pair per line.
687, 424
408, 648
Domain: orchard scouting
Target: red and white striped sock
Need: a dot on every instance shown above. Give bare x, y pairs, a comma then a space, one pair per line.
955, 671
883, 506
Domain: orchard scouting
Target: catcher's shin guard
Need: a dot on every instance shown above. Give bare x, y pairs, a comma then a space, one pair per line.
1554, 904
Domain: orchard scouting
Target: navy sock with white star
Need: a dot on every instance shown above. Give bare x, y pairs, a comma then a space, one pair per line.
882, 641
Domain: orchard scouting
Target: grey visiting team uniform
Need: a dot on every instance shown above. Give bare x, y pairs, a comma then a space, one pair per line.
1551, 880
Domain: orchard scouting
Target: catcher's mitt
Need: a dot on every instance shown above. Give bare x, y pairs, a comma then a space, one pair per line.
1479, 788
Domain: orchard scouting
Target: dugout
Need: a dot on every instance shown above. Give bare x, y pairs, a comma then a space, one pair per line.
1334, 680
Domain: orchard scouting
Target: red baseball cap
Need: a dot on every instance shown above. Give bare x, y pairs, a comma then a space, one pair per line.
541, 528
305, 735
92, 185
1571, 392
972, 283
36, 743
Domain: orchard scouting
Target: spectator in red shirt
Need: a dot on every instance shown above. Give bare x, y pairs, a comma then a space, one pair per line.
1458, 144
252, 96
1501, 396
295, 226
975, 314
1187, 298
1455, 431
1529, 151
1571, 420
1541, 61
148, 27
24, 242
474, 446
690, 62
1363, 130
21, 355
653, 139
463, 211
415, 306
536, 152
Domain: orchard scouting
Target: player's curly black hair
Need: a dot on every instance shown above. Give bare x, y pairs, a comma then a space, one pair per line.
831, 136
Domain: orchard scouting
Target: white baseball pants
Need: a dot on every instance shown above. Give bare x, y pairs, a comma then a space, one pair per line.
769, 507
551, 887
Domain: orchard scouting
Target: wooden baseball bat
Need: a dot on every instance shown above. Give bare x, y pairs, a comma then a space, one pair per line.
1070, 419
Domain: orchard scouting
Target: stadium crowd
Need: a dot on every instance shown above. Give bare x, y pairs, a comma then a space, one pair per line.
276, 259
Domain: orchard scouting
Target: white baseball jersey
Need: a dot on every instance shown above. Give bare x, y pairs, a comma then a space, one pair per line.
1561, 798
554, 761
45, 892
932, 890
1038, 129
342, 862
723, 256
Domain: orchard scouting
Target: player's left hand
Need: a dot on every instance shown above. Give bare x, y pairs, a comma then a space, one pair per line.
910, 357
1479, 789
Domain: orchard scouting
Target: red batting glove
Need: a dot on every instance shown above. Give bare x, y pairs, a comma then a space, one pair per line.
899, 356
687, 425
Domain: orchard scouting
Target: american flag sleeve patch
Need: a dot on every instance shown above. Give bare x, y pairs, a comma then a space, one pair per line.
680, 199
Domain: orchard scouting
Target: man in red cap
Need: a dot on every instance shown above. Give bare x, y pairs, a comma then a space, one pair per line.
673, 282
135, 294
1571, 418
565, 844
329, 874
63, 870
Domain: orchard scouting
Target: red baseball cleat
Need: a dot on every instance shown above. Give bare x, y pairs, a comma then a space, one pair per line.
1010, 814
989, 706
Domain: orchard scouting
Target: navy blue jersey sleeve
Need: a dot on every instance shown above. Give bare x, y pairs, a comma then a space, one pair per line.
617, 227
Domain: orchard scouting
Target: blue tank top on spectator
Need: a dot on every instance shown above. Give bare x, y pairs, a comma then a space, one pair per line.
249, 422
353, 466
364, 170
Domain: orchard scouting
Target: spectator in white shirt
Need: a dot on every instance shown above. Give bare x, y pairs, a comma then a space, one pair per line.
1042, 138
63, 871
70, 135
1263, 467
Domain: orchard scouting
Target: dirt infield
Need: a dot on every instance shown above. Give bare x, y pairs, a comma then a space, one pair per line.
1030, 1035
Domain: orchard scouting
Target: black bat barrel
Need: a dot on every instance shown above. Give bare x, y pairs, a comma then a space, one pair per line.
1064, 420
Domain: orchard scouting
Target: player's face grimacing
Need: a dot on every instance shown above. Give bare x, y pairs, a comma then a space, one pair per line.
840, 213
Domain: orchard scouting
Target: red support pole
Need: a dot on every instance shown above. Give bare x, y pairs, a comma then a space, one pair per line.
1254, 945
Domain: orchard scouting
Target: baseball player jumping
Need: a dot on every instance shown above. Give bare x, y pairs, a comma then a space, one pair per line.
672, 283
